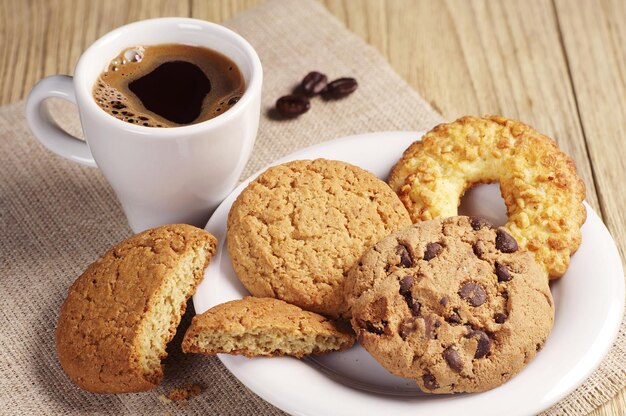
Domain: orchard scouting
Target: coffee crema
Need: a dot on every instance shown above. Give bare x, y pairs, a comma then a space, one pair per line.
168, 85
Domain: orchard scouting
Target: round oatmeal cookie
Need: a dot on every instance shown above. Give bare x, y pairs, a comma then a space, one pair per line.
297, 228
542, 192
452, 304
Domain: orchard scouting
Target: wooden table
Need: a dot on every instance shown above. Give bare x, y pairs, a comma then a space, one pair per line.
558, 65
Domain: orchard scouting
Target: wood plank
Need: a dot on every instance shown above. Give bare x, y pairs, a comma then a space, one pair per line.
481, 57
594, 37
45, 38
218, 11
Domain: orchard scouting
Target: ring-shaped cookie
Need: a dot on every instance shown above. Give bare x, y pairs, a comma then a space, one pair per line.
539, 185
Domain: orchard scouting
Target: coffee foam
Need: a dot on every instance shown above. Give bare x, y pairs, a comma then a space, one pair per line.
113, 96
116, 104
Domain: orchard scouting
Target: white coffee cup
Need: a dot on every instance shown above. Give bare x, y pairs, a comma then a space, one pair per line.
160, 175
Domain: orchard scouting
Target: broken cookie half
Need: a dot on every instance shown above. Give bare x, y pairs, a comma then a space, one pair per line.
264, 327
122, 311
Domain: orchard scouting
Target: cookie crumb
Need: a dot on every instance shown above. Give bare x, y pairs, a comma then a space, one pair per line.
185, 392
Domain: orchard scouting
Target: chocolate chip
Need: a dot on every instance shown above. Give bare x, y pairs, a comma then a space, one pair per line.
313, 83
405, 256
504, 294
500, 317
430, 382
432, 251
505, 242
503, 273
484, 344
453, 359
479, 249
293, 105
407, 326
415, 308
444, 301
454, 319
430, 325
405, 291
405, 285
480, 222
473, 293
374, 329
341, 87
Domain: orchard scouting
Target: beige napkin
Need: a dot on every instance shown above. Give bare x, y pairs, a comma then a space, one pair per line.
57, 217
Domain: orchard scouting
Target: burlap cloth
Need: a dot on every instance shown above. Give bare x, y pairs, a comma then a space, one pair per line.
57, 217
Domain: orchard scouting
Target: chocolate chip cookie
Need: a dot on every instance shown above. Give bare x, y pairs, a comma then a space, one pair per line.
295, 230
453, 304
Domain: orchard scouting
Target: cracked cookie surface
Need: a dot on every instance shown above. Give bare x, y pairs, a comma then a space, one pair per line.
452, 304
296, 229
120, 314
539, 184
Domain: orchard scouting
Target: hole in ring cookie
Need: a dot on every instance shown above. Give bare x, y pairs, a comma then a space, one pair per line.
484, 200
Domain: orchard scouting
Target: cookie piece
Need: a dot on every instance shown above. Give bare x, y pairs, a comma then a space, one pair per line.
264, 327
465, 313
122, 311
539, 184
297, 228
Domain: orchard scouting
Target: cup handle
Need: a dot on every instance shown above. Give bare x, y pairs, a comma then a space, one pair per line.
45, 129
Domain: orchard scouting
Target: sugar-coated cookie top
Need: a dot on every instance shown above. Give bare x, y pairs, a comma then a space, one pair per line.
541, 189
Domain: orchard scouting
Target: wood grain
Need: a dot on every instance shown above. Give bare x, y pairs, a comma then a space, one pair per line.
594, 36
560, 66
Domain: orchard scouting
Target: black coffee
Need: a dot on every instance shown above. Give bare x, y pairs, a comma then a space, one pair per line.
168, 85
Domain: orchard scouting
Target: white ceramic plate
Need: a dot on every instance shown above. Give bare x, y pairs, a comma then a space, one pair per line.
589, 301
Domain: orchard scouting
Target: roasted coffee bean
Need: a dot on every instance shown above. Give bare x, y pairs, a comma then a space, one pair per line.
473, 293
453, 359
479, 222
341, 87
479, 249
430, 382
505, 242
313, 83
500, 318
503, 273
374, 329
432, 251
405, 256
484, 344
293, 105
